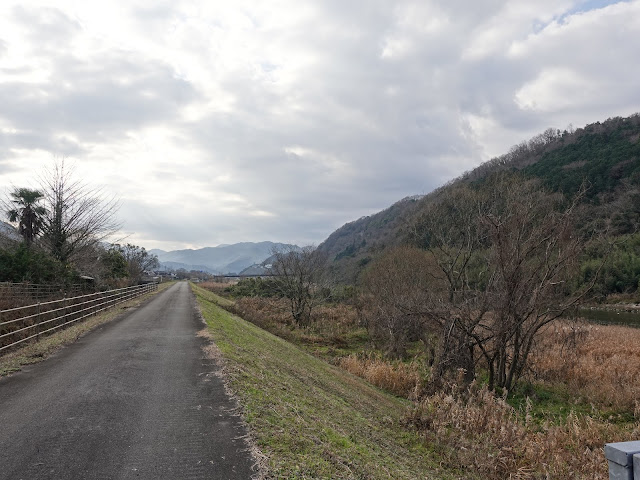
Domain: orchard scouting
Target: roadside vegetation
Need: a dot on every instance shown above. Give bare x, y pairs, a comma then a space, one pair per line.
473, 315
56, 248
579, 392
63, 225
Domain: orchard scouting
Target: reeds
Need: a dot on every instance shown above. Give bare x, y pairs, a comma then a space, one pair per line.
603, 367
401, 379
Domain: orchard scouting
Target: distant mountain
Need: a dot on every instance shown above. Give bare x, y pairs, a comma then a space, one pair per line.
8, 234
221, 259
185, 266
604, 156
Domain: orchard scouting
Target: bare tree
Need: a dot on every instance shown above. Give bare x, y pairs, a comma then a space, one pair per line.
137, 259
507, 252
396, 288
300, 278
78, 217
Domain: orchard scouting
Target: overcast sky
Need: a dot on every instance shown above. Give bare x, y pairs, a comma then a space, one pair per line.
226, 121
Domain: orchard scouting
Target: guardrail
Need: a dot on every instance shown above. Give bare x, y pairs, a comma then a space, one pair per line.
21, 324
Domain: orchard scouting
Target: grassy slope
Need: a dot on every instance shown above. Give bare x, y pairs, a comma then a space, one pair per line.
310, 419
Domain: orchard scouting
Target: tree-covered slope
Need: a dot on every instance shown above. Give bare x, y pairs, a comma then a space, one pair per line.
352, 246
605, 156
602, 157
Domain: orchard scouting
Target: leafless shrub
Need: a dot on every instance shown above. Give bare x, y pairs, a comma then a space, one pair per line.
396, 293
299, 274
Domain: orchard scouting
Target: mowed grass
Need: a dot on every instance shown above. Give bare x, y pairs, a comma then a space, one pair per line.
311, 419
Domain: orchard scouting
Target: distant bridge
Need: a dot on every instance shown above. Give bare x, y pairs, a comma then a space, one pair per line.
247, 276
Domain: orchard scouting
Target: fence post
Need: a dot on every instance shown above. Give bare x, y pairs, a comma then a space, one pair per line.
38, 319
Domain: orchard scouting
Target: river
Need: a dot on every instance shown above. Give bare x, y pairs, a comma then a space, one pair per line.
611, 317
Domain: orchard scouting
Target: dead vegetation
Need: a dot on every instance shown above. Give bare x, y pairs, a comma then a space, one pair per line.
475, 428
603, 367
401, 379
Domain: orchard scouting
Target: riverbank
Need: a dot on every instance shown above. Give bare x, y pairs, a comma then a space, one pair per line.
577, 394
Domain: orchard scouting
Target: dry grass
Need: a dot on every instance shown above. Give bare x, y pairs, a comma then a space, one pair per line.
603, 367
483, 433
330, 324
267, 313
217, 287
401, 379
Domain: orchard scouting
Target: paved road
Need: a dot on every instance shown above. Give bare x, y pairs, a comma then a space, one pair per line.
133, 399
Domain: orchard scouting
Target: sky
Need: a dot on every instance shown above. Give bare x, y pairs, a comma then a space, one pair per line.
217, 122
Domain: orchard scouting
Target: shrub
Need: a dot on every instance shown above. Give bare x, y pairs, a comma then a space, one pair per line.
30, 264
254, 287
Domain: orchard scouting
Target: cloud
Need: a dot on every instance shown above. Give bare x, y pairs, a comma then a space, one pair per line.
223, 122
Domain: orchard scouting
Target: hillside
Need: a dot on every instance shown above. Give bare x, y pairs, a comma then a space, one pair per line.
603, 156
352, 246
221, 259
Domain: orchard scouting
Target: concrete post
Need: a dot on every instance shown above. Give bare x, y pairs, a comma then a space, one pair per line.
636, 466
621, 460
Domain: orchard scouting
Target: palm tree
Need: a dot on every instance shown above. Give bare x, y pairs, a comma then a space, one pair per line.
27, 212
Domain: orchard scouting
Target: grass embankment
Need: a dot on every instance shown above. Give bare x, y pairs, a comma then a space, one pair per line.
311, 419
35, 352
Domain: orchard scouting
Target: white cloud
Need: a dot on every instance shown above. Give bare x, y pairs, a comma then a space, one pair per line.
555, 89
219, 122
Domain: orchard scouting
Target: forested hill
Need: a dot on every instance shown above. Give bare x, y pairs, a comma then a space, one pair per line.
605, 157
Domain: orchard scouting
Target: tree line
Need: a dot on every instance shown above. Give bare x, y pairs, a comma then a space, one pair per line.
64, 224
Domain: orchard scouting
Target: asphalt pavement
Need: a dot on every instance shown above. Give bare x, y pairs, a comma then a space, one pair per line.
135, 398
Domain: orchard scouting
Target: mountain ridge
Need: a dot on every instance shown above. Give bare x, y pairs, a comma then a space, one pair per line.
605, 155
223, 259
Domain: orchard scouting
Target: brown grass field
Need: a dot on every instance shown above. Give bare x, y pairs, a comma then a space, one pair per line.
603, 367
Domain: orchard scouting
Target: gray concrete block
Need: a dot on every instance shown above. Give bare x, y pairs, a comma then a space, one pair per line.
620, 458
636, 466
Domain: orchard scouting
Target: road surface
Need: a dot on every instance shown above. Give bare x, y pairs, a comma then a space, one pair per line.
136, 398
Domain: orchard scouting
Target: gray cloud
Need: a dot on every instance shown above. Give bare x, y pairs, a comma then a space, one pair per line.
283, 123
96, 99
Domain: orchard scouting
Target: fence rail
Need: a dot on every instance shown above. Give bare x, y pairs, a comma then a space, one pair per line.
27, 293
21, 324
